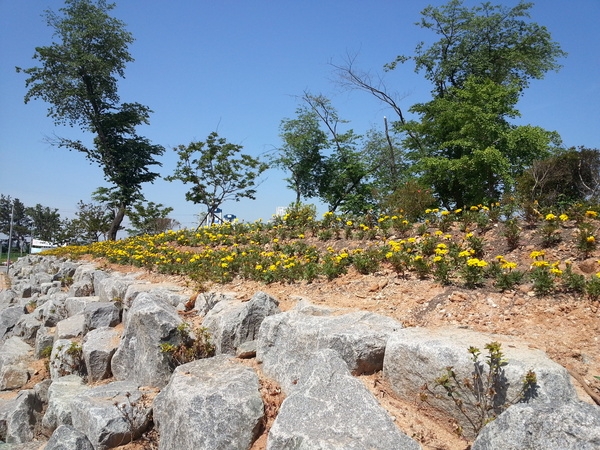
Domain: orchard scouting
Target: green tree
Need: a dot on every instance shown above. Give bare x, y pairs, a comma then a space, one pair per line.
343, 180
493, 42
92, 221
21, 223
78, 78
216, 173
45, 222
568, 177
301, 153
150, 219
462, 142
467, 149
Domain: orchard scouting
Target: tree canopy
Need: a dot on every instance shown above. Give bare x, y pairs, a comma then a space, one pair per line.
216, 172
78, 78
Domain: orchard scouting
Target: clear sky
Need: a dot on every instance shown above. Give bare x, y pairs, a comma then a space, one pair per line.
238, 67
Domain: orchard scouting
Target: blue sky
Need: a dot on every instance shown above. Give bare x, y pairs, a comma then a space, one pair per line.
238, 67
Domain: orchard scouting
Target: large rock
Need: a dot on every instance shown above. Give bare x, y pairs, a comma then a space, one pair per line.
286, 340
151, 322
231, 322
76, 305
60, 394
329, 409
15, 355
71, 327
543, 426
110, 415
112, 288
53, 310
18, 417
417, 356
99, 346
66, 359
68, 438
27, 327
209, 404
101, 314
9, 318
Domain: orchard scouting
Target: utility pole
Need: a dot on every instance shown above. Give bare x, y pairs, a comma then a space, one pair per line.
12, 213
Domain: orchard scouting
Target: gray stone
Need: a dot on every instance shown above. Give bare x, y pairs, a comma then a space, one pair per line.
329, 409
44, 338
151, 322
9, 318
170, 293
18, 417
8, 297
99, 346
101, 314
27, 327
246, 350
41, 390
231, 322
15, 354
52, 311
71, 327
76, 305
66, 359
46, 287
110, 415
285, 340
209, 404
543, 426
68, 438
417, 356
60, 394
112, 288
206, 301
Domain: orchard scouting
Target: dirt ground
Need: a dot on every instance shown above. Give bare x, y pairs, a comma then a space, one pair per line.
565, 327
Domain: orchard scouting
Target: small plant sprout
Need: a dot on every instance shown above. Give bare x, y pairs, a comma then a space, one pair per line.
482, 396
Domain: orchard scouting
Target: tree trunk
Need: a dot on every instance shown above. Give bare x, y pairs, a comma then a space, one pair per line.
116, 223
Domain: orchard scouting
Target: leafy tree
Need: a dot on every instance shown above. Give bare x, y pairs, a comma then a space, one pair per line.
343, 178
301, 153
216, 173
150, 219
45, 222
467, 150
462, 143
21, 223
92, 222
78, 78
568, 177
492, 42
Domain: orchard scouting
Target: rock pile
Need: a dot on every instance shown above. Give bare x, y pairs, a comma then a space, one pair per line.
106, 335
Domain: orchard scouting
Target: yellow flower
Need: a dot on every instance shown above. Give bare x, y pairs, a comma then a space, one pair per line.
258, 267
590, 239
388, 255
474, 262
563, 217
300, 236
349, 223
468, 235
474, 208
509, 265
224, 264
437, 258
540, 264
550, 217
556, 271
457, 211
438, 233
537, 254
427, 211
591, 214
445, 213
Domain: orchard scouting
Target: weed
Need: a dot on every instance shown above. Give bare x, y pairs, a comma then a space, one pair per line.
512, 233
191, 346
573, 282
481, 397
